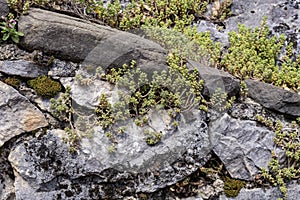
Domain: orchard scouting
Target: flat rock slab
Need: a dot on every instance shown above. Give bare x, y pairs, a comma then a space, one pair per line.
243, 147
18, 115
44, 167
22, 68
73, 39
274, 98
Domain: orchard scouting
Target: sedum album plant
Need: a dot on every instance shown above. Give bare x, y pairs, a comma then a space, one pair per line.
176, 90
254, 54
281, 170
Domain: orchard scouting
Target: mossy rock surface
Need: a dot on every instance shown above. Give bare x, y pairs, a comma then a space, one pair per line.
13, 81
232, 187
45, 86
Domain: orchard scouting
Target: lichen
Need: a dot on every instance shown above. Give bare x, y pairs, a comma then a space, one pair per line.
232, 187
45, 86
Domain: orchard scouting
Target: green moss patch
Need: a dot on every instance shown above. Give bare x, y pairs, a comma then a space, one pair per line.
232, 187
45, 86
13, 81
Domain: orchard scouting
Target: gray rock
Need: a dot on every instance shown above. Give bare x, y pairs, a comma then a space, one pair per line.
214, 79
18, 115
22, 68
76, 40
42, 165
62, 69
260, 193
243, 147
274, 98
7, 189
4, 10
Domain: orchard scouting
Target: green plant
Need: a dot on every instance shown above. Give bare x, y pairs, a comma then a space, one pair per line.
13, 81
219, 101
287, 140
9, 30
152, 137
45, 86
243, 90
232, 187
62, 109
176, 90
254, 54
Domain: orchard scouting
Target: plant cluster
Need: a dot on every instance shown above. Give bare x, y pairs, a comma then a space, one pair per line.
45, 86
150, 13
287, 139
177, 90
220, 102
62, 109
13, 81
9, 31
253, 54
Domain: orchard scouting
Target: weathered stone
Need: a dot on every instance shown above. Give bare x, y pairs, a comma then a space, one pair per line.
62, 69
4, 10
260, 193
243, 147
22, 68
42, 164
214, 79
76, 40
88, 95
7, 189
18, 115
274, 98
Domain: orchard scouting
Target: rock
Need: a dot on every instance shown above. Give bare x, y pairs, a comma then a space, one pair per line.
12, 52
18, 115
214, 79
274, 98
4, 10
62, 69
76, 40
7, 189
43, 165
87, 96
260, 193
22, 68
243, 147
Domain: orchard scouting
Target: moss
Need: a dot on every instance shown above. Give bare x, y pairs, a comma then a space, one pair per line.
232, 187
13, 81
45, 86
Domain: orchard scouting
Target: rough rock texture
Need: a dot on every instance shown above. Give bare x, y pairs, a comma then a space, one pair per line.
4, 10
44, 167
271, 193
39, 166
274, 98
243, 147
62, 69
214, 79
73, 39
18, 115
22, 68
